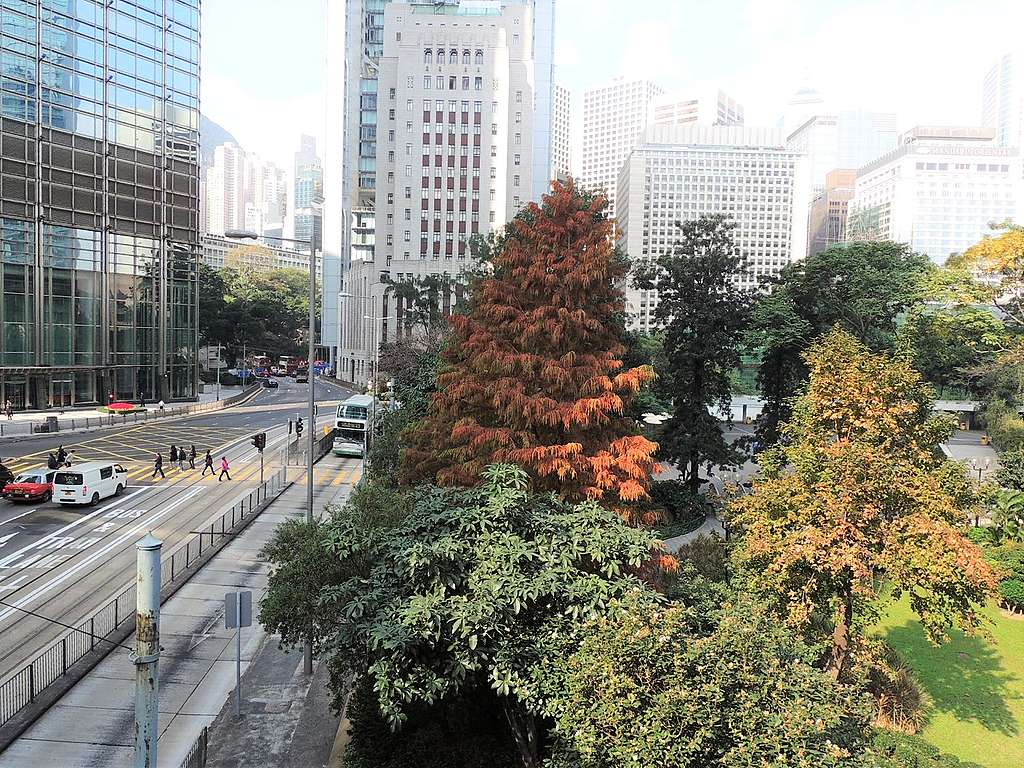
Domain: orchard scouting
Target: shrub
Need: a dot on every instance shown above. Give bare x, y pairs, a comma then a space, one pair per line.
1005, 426
468, 732
902, 750
709, 557
1009, 558
1011, 470
900, 702
679, 510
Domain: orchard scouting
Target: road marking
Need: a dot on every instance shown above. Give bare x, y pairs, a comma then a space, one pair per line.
124, 537
5, 539
69, 526
16, 517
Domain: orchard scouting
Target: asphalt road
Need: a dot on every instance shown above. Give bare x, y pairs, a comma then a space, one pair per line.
58, 564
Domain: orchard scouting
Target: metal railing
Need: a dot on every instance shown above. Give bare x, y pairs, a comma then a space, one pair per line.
295, 456
196, 757
22, 687
45, 423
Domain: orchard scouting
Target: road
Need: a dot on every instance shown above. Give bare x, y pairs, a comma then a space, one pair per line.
58, 564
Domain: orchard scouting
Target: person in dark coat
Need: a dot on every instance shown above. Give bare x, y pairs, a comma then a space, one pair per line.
192, 457
208, 461
158, 466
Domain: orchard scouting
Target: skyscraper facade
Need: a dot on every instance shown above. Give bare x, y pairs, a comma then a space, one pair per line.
826, 225
306, 216
615, 117
844, 139
561, 134
682, 173
938, 191
99, 200
711, 108
1002, 100
355, 115
242, 192
455, 126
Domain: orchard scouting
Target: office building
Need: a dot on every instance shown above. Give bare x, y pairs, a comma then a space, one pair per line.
243, 192
99, 201
454, 160
356, 36
938, 191
561, 135
844, 139
711, 108
614, 120
306, 217
1002, 106
826, 225
680, 174
222, 252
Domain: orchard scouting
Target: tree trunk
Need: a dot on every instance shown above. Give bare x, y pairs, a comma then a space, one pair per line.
841, 642
524, 730
694, 474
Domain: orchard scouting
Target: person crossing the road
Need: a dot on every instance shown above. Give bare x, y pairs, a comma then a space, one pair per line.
62, 456
158, 466
224, 469
174, 454
208, 462
9, 410
192, 457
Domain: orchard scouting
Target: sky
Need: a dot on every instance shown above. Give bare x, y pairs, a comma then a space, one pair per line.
263, 68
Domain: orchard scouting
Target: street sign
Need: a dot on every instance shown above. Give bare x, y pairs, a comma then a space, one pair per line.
238, 613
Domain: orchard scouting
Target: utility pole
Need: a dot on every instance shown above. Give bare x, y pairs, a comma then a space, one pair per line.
218, 370
307, 648
147, 650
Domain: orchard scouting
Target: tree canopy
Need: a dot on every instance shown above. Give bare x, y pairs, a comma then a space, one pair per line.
703, 315
855, 498
533, 374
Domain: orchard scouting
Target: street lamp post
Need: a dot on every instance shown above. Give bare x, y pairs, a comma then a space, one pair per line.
979, 467
307, 657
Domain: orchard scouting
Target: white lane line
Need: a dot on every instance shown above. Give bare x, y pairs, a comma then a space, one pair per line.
116, 503
145, 524
12, 519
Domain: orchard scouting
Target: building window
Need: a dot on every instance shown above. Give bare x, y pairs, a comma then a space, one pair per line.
409, 82
453, 57
465, 57
391, 156
427, 79
494, 173
428, 56
515, 180
491, 217
391, 239
391, 198
479, 57
391, 216
407, 235
440, 82
408, 196
494, 129
519, 94
516, 159
465, 83
519, 117
478, 83
391, 93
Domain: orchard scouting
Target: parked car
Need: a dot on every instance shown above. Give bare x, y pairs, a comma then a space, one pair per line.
302, 377
88, 483
34, 485
270, 384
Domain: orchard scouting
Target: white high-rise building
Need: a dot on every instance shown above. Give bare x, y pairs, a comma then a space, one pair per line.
938, 191
356, 100
844, 139
454, 158
614, 120
242, 192
1002, 101
712, 108
682, 173
561, 134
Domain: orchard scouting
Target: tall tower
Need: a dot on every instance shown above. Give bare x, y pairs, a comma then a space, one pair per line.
614, 120
1002, 101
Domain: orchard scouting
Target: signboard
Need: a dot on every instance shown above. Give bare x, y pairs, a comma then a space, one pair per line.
238, 609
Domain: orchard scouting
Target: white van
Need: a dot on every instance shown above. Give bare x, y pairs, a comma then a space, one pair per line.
89, 482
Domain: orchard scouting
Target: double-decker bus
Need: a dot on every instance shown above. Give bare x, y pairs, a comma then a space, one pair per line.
352, 425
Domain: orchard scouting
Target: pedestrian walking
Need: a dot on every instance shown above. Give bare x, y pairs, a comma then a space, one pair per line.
160, 405
158, 466
174, 454
208, 461
224, 469
51, 461
9, 410
192, 457
62, 456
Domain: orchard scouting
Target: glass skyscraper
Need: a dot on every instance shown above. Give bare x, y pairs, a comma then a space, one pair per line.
99, 200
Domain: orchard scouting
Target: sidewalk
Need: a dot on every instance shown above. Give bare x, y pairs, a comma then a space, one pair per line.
92, 725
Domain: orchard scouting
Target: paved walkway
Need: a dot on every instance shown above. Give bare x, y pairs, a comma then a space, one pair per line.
92, 725
712, 527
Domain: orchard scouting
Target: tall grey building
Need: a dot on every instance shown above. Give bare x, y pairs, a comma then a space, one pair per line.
308, 194
356, 108
99, 200
1002, 100
842, 139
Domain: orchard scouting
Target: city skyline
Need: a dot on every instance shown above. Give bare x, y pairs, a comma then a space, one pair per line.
928, 68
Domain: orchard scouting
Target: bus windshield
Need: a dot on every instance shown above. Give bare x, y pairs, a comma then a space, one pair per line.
352, 435
352, 412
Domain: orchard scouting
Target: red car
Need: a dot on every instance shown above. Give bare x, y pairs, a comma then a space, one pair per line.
34, 485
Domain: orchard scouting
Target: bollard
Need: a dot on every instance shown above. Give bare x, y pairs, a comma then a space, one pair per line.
147, 650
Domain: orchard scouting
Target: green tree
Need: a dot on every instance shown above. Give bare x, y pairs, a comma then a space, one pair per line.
1011, 470
946, 345
856, 498
703, 315
467, 590
653, 687
861, 287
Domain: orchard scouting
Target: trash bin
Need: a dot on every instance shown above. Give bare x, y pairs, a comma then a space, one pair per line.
51, 424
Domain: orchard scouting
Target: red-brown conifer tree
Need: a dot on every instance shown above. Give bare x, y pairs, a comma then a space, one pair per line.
533, 375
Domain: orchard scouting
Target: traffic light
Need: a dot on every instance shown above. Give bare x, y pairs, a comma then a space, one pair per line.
259, 441
298, 427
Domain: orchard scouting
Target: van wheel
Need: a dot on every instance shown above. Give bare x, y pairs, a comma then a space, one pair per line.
119, 490
95, 499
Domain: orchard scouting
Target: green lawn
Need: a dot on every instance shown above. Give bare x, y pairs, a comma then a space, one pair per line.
976, 686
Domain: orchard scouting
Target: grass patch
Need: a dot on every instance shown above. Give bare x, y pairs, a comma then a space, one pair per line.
976, 686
